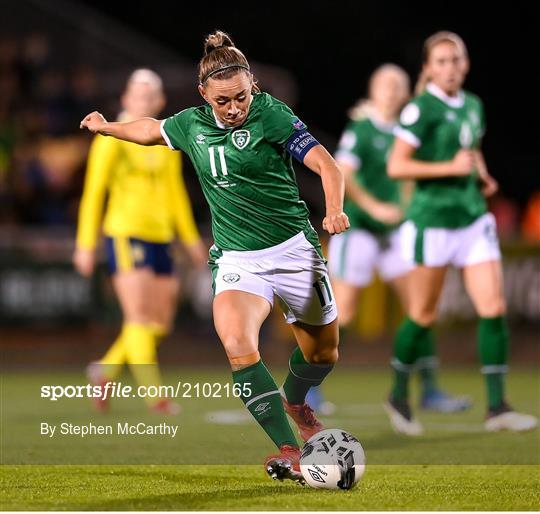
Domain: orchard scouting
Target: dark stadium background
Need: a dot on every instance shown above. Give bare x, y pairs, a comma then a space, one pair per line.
332, 47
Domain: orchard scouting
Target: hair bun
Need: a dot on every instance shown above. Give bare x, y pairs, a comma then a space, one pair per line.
217, 40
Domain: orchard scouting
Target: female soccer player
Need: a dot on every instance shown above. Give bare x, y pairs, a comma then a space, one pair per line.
438, 146
373, 206
241, 144
147, 203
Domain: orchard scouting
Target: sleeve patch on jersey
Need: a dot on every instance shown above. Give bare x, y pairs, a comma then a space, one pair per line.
300, 143
410, 114
347, 141
298, 124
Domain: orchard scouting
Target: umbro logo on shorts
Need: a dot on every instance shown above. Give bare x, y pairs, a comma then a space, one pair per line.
231, 278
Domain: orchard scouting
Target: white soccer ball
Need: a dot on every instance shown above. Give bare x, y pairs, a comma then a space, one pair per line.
332, 459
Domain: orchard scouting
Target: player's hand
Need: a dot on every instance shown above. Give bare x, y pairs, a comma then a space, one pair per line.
489, 185
198, 254
93, 122
84, 261
336, 223
463, 163
386, 213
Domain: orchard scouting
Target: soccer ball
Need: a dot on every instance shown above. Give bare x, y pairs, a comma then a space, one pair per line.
332, 459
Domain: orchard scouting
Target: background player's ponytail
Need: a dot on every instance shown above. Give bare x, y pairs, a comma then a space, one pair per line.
430, 43
221, 59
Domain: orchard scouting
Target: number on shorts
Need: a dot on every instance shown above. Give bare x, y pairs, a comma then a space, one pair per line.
323, 291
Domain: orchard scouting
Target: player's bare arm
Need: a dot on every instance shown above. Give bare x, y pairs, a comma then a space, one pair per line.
321, 162
489, 185
145, 131
385, 212
402, 164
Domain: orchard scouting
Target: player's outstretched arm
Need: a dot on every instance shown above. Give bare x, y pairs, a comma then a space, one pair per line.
321, 162
145, 131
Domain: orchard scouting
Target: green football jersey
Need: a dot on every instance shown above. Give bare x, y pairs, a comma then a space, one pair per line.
245, 172
439, 126
365, 145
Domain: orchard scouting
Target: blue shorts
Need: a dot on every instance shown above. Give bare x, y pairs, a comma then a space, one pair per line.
127, 253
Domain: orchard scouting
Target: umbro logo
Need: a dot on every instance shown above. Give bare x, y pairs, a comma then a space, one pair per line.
200, 139
231, 278
317, 477
262, 408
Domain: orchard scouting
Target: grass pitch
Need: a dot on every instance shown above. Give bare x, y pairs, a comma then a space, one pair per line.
215, 461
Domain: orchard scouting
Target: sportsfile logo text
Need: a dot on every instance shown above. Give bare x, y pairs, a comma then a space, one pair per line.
121, 390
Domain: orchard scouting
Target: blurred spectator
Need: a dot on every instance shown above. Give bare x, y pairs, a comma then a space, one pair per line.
531, 219
83, 87
56, 103
34, 61
48, 180
42, 153
8, 95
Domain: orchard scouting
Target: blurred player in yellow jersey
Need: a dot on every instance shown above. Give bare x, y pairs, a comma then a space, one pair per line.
147, 204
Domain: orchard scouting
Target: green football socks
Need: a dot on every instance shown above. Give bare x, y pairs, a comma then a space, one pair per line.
493, 352
263, 400
303, 375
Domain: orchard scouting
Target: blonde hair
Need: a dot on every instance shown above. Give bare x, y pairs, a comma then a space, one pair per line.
430, 43
364, 108
146, 76
142, 76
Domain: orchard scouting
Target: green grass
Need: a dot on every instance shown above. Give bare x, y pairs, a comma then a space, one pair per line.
214, 466
246, 488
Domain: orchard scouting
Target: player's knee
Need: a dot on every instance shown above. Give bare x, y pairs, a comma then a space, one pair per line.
423, 317
238, 344
496, 307
137, 310
328, 355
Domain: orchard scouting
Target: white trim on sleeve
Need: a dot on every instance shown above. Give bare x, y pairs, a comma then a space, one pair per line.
348, 158
164, 134
407, 136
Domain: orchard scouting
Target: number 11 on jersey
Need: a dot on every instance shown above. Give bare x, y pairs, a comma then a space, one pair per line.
222, 163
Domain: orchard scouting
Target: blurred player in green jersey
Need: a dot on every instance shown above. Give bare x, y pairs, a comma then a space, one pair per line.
374, 207
438, 145
241, 144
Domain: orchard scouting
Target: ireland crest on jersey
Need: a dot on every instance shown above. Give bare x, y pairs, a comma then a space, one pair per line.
240, 138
